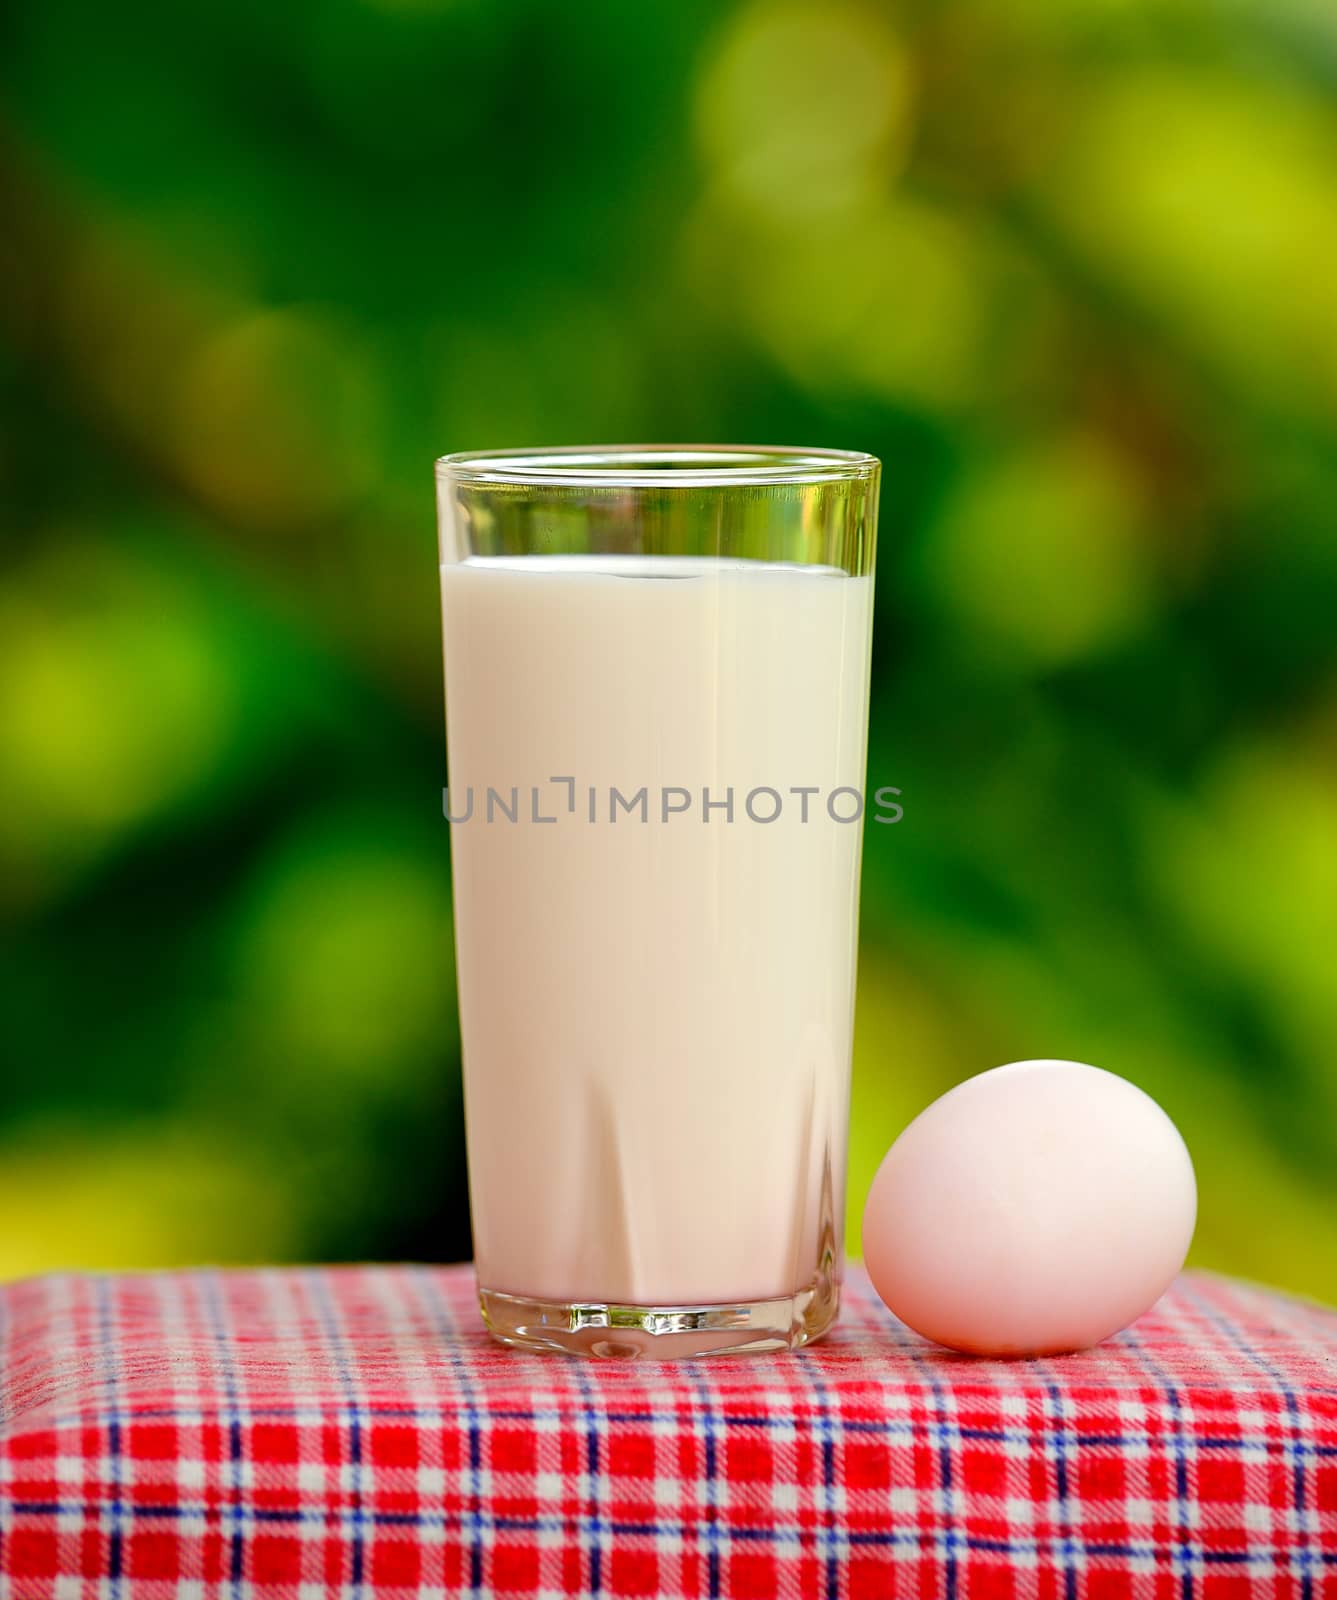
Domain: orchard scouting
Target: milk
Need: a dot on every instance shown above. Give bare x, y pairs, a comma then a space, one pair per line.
656, 1012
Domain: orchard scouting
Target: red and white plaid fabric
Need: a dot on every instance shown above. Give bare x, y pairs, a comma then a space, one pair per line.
353, 1435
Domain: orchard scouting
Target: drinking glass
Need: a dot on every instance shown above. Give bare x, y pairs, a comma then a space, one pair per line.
656, 663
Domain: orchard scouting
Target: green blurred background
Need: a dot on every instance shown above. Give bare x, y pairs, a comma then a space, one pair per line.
1068, 266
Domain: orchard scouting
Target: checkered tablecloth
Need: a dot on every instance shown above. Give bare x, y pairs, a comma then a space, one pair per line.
352, 1435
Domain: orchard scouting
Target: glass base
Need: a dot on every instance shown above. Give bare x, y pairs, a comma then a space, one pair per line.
662, 1333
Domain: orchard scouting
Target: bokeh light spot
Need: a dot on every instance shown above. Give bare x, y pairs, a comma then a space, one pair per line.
804, 107
278, 419
1211, 199
343, 957
114, 701
1040, 550
1250, 871
893, 303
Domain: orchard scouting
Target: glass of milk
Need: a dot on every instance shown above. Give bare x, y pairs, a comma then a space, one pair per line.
656, 665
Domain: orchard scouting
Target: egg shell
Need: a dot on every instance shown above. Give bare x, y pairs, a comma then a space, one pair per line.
1034, 1209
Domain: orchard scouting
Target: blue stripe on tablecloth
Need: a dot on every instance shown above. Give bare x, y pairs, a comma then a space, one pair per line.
1186, 1555
597, 1529
1069, 1545
1295, 1448
891, 1426
1012, 1545
826, 1430
116, 1532
441, 1316
328, 1313
944, 1431
711, 1431
211, 1297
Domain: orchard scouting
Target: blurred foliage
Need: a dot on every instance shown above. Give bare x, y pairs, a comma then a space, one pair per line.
1068, 266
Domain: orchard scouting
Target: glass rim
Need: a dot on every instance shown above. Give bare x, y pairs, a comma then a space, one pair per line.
657, 466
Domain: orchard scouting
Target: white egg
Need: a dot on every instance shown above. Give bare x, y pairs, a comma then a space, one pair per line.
1035, 1209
